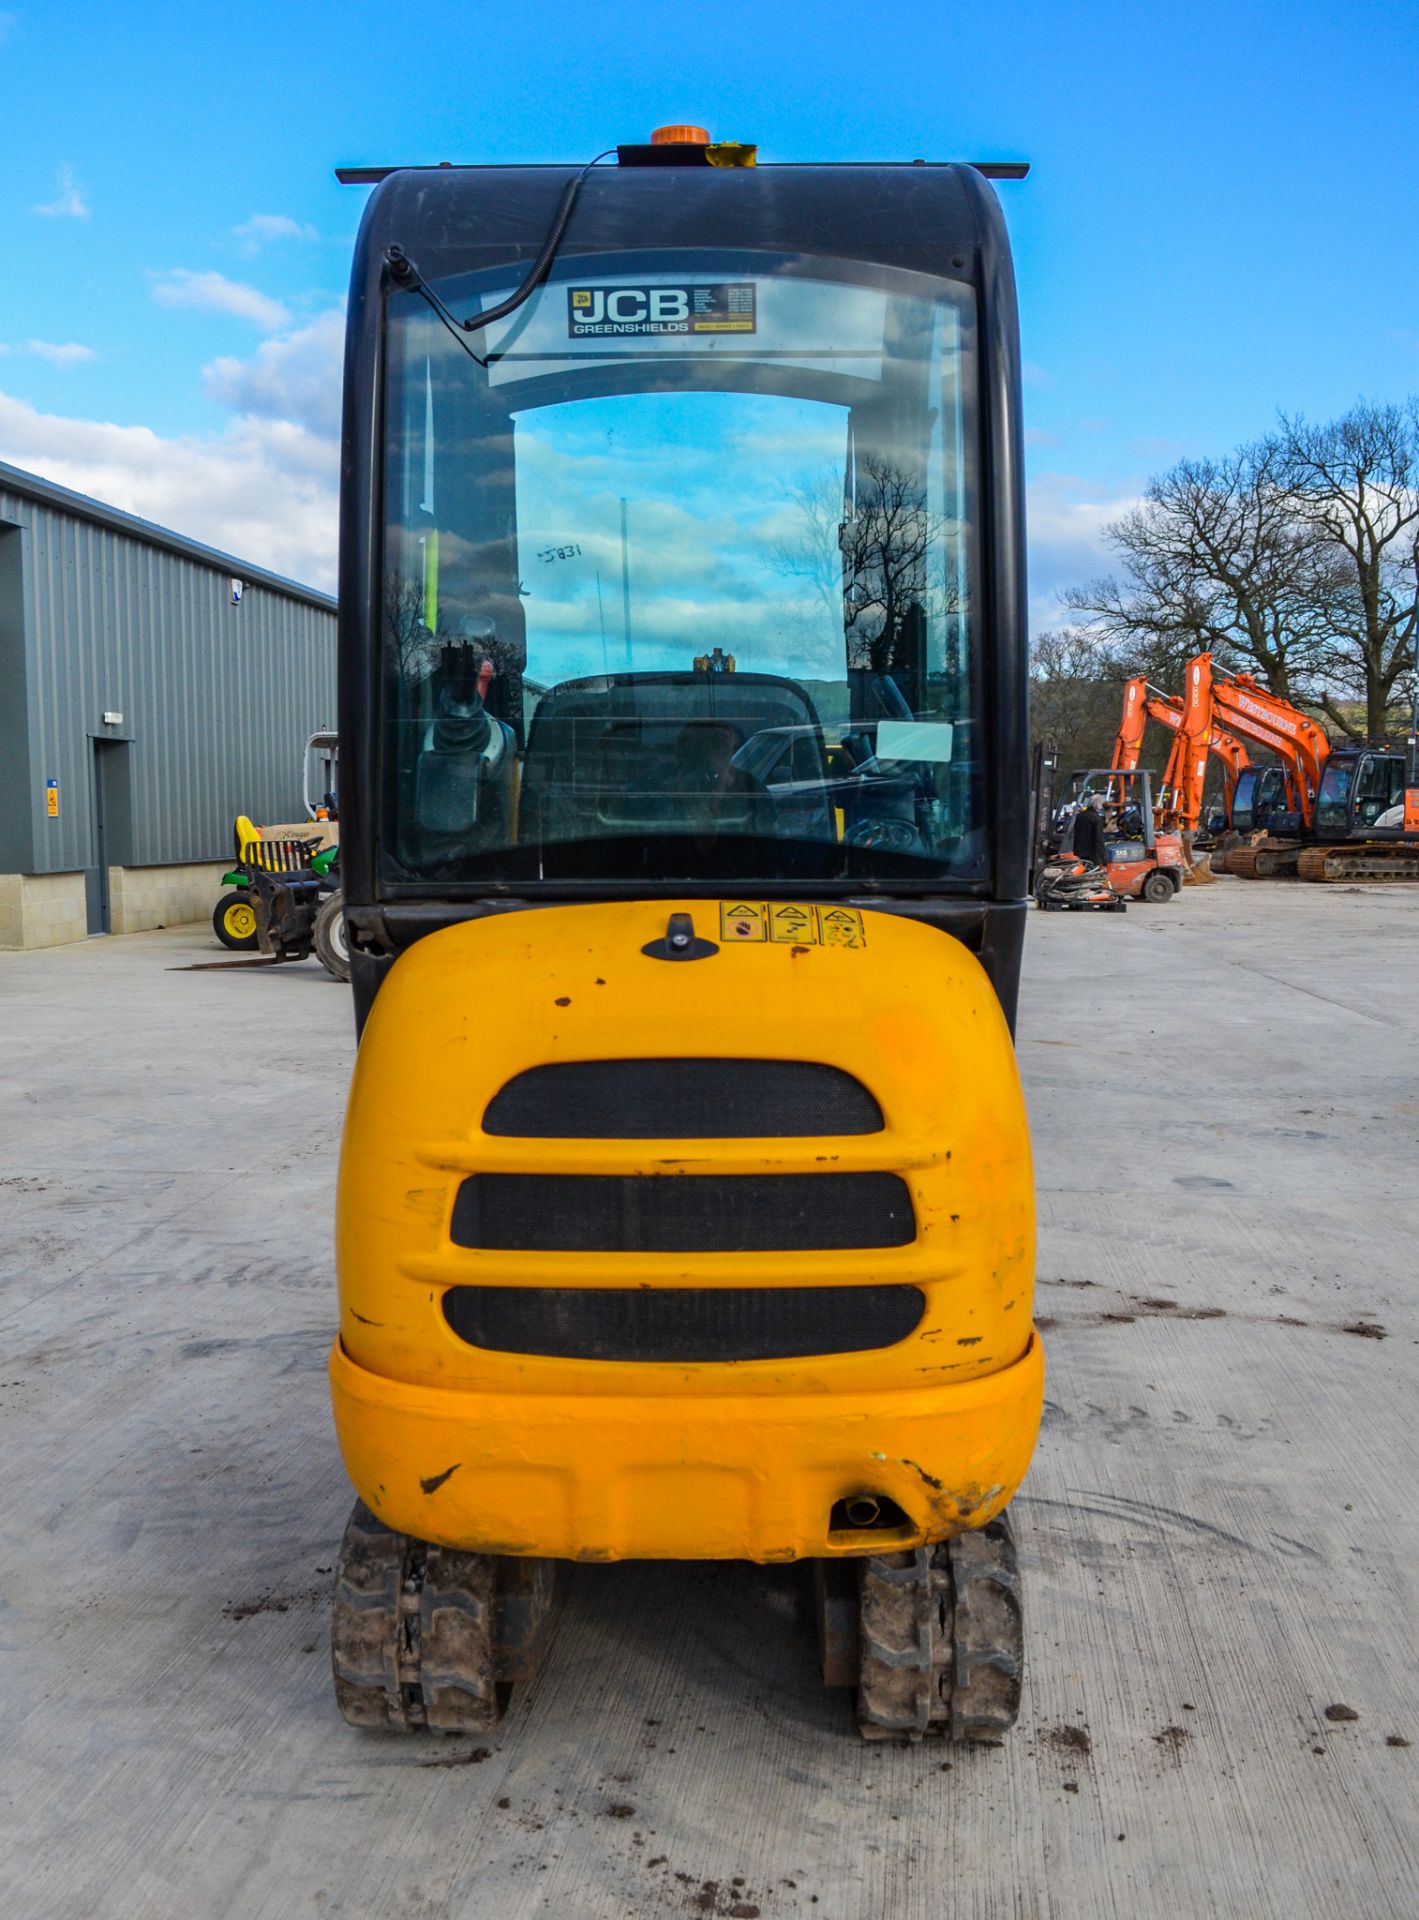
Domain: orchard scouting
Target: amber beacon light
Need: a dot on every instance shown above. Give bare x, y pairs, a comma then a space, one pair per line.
684, 146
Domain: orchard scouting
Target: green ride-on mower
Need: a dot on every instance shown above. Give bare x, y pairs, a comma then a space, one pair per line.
284, 899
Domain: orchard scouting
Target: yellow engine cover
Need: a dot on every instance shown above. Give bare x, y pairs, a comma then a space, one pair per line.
521, 1453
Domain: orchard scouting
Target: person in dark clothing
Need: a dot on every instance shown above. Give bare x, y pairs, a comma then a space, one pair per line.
1087, 841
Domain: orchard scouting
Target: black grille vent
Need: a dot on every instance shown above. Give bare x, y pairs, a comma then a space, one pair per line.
682, 1213
683, 1323
682, 1100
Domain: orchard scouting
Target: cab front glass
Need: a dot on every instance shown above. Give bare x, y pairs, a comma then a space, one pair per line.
1333, 798
680, 579
1261, 790
1356, 790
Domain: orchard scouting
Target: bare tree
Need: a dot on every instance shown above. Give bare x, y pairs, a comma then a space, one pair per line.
1075, 695
412, 646
1354, 485
875, 556
812, 553
1216, 558
885, 539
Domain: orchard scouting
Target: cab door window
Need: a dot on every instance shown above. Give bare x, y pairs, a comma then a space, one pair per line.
1379, 787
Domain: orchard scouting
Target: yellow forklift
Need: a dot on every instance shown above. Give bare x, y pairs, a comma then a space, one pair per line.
685, 1204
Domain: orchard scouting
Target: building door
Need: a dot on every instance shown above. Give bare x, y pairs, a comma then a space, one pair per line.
105, 785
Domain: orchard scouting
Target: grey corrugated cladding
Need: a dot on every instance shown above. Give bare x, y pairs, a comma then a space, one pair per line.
117, 615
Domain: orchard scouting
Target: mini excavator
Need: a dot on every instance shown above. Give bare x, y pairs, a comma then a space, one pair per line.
685, 1205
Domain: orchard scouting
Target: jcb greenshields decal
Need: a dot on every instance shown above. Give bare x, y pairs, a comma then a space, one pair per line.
701, 306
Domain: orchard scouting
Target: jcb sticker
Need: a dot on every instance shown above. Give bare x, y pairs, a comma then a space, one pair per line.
744, 922
793, 926
841, 927
714, 306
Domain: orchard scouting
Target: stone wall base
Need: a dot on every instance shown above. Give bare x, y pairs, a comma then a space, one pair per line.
42, 909
141, 898
49, 910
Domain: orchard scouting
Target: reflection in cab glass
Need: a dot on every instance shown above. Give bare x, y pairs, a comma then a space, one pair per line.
679, 579
1333, 800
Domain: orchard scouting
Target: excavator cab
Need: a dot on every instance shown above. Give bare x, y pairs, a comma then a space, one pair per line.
1357, 793
1261, 791
1366, 823
685, 1204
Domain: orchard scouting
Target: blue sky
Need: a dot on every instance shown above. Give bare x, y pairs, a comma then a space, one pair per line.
1220, 221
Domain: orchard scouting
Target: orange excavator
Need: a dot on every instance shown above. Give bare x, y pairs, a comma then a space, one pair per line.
1180, 795
1350, 813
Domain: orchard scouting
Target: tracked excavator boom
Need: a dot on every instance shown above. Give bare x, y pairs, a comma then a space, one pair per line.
1337, 798
1180, 796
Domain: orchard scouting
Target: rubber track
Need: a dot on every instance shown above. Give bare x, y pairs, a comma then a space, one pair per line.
412, 1632
989, 1638
941, 1639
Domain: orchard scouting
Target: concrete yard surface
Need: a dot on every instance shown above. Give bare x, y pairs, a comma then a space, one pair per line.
1220, 1532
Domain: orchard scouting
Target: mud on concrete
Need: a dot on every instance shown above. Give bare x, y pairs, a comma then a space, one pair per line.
1219, 1533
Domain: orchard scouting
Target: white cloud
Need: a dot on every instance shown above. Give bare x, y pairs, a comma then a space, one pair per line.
180, 287
295, 377
261, 227
71, 204
66, 353
264, 490
265, 487
1066, 516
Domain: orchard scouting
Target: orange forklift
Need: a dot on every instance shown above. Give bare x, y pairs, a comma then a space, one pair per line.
1144, 863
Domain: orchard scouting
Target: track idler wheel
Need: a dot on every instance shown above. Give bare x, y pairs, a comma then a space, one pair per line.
934, 1638
430, 1636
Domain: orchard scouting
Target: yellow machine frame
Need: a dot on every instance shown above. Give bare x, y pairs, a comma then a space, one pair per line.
516, 1454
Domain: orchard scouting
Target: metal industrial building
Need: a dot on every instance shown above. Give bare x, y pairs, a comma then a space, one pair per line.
150, 689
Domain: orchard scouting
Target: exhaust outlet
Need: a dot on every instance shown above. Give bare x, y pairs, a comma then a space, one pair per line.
863, 1510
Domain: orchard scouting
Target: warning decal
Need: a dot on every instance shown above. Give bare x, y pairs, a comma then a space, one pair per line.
787, 923
744, 922
719, 306
841, 927
793, 926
